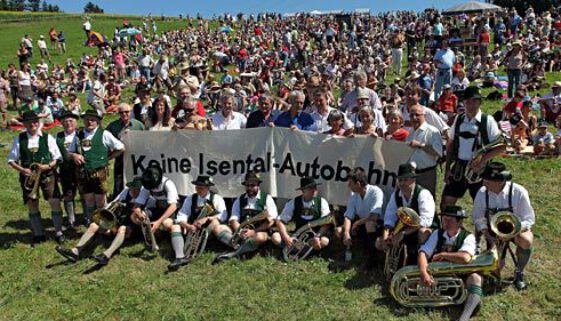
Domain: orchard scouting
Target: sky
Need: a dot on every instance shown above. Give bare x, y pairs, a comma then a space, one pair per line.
209, 7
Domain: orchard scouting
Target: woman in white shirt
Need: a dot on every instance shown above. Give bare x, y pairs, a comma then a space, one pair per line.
160, 117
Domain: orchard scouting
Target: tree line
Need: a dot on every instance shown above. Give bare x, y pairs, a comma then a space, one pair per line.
521, 5
29, 5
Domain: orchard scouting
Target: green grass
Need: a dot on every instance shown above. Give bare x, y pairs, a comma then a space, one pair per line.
35, 285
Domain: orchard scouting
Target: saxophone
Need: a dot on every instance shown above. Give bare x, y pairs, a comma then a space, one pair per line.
33, 181
396, 256
300, 248
248, 224
195, 242
449, 287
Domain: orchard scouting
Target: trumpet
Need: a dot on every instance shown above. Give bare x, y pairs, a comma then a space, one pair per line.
32, 181
248, 224
108, 217
195, 242
396, 256
301, 248
449, 287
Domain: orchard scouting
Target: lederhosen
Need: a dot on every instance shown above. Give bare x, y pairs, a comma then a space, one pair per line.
42, 155
489, 212
161, 201
196, 210
300, 211
67, 169
412, 240
260, 205
93, 175
125, 217
453, 248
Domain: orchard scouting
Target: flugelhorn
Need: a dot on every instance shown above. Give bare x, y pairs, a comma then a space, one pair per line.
248, 224
108, 217
396, 256
33, 181
449, 287
149, 237
195, 242
301, 248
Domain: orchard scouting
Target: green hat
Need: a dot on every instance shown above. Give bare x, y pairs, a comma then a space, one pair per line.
406, 171
455, 211
135, 183
306, 182
472, 92
29, 116
91, 113
496, 171
68, 113
152, 177
252, 177
203, 180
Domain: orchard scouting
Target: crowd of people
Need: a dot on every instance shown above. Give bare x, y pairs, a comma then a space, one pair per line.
404, 76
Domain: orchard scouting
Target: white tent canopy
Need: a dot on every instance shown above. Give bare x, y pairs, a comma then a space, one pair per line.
471, 7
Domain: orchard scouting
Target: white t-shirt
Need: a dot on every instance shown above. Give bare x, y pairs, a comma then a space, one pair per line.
234, 121
363, 207
218, 203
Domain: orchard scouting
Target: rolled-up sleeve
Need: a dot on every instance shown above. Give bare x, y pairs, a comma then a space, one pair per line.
430, 245
524, 209
478, 212
427, 208
390, 216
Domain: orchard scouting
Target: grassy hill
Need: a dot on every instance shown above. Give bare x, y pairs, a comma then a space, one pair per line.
36, 284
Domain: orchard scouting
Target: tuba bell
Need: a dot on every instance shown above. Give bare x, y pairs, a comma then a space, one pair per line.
195, 242
108, 217
449, 287
396, 257
248, 224
505, 225
301, 248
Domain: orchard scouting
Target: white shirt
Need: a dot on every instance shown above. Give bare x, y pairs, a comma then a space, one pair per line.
161, 69
108, 140
521, 205
217, 202
349, 100
427, 208
41, 44
33, 142
466, 144
97, 88
166, 186
87, 26
320, 120
431, 118
270, 206
379, 120
363, 207
234, 121
429, 135
430, 245
288, 211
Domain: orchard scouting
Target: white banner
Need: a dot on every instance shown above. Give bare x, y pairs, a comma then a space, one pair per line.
281, 155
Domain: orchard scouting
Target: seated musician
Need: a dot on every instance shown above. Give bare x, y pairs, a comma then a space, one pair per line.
362, 218
124, 230
303, 209
187, 217
499, 194
409, 194
452, 243
253, 202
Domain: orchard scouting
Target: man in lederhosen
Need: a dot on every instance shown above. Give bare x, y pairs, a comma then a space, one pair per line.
303, 209
500, 194
92, 149
67, 168
251, 203
124, 228
36, 153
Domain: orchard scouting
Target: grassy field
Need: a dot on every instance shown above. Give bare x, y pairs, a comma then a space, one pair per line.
36, 284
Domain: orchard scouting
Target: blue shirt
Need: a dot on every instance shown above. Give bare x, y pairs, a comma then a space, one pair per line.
447, 58
303, 121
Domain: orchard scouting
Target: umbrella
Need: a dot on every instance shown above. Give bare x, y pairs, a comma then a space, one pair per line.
225, 29
471, 7
129, 31
96, 39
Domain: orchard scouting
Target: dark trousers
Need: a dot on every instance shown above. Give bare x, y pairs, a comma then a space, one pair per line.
513, 80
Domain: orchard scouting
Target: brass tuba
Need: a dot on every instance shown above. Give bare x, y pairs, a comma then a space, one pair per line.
195, 242
108, 217
32, 181
472, 176
449, 287
506, 226
301, 248
248, 224
396, 257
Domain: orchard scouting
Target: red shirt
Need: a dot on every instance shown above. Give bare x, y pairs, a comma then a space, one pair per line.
485, 37
200, 110
400, 135
512, 106
448, 104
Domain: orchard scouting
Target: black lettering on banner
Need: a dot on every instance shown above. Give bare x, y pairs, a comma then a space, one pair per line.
327, 172
315, 168
238, 163
287, 165
339, 176
301, 172
137, 164
224, 168
185, 165
212, 169
259, 165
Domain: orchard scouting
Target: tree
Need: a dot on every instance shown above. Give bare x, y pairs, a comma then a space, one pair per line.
34, 5
17, 5
92, 8
44, 6
4, 5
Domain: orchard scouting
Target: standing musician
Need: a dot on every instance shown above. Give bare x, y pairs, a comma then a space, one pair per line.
91, 150
251, 203
124, 230
471, 130
35, 155
363, 216
164, 191
409, 194
67, 168
191, 208
452, 243
303, 209
499, 194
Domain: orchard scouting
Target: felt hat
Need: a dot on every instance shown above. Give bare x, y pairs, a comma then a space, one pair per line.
91, 113
203, 180
252, 177
496, 171
135, 183
472, 92
152, 177
29, 116
407, 170
455, 211
306, 182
